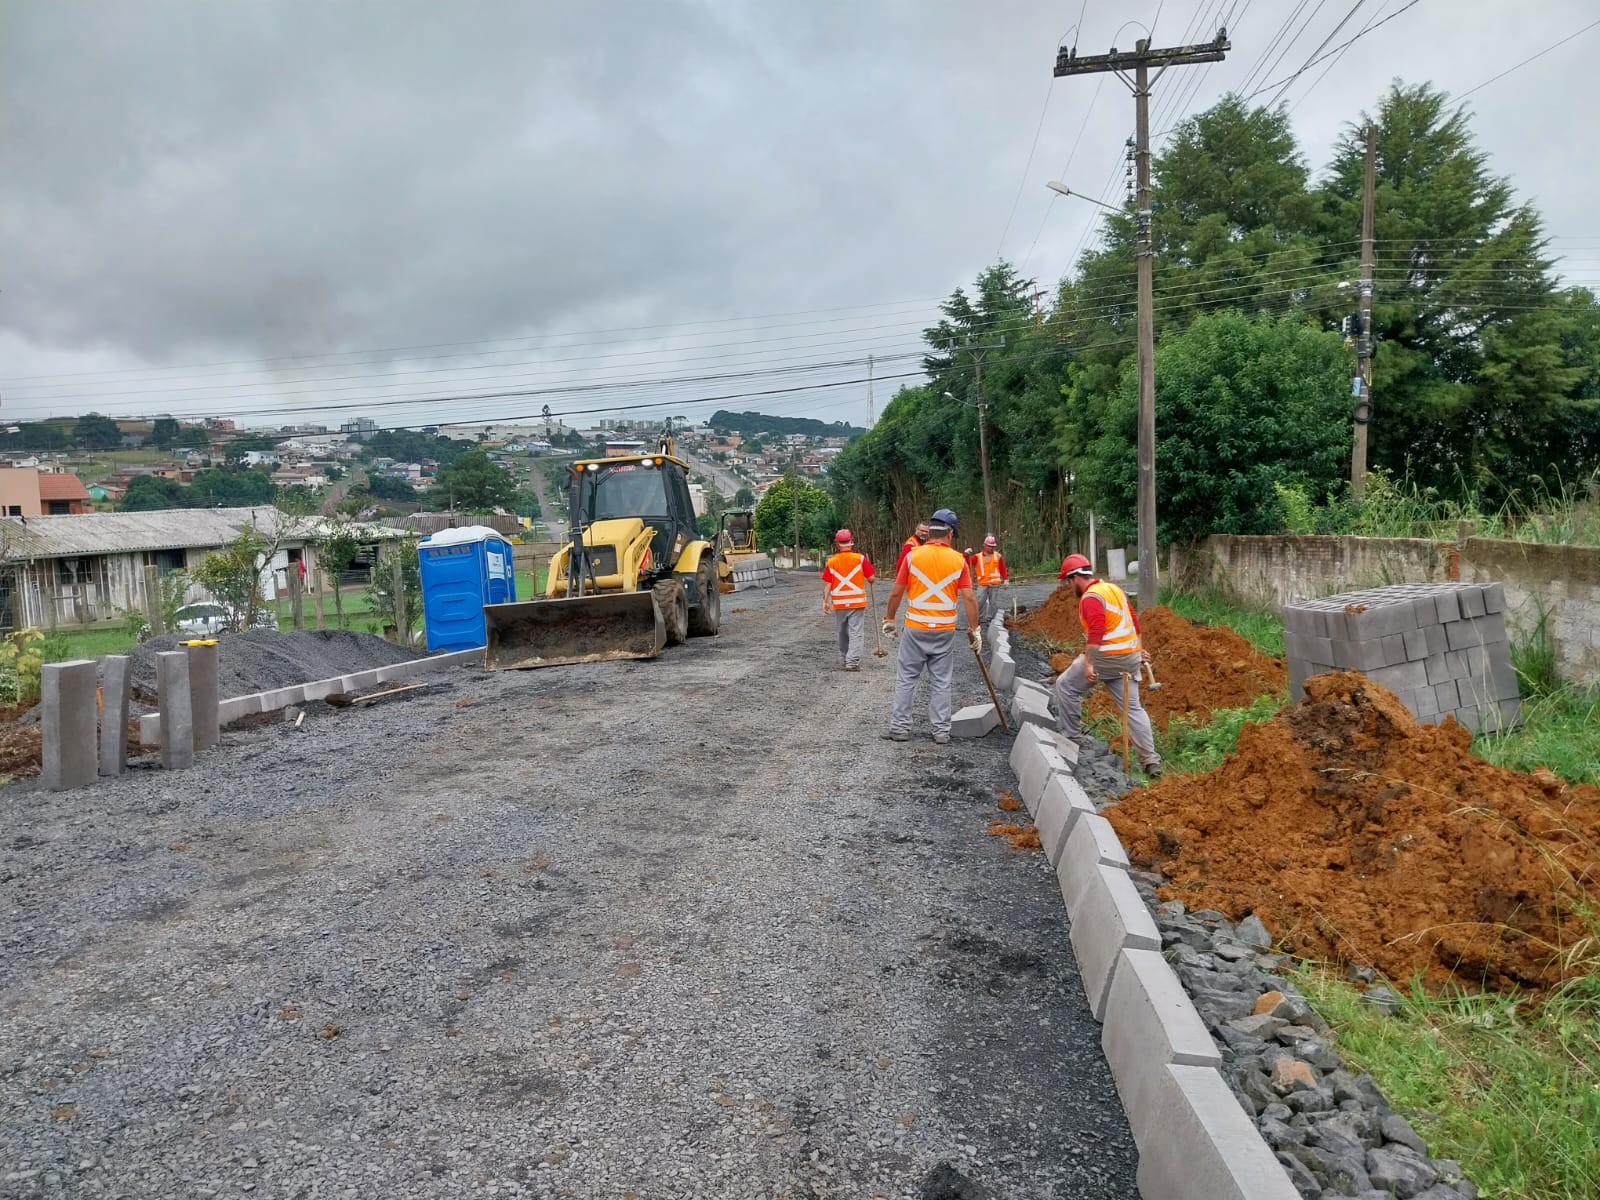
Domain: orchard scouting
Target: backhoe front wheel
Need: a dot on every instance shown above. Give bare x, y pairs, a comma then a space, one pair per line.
673, 601
705, 618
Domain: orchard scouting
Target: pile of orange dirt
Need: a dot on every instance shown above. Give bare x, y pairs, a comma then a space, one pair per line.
1021, 837
22, 747
1201, 668
1359, 835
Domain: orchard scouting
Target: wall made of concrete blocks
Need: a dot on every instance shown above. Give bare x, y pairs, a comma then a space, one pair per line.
1440, 647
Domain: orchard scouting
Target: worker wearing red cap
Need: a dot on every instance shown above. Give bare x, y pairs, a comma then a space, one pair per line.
1112, 655
936, 583
990, 575
844, 594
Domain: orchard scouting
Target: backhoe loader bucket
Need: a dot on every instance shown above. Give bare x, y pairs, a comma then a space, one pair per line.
551, 633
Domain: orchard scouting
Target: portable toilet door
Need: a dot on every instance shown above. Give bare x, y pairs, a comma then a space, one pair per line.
462, 570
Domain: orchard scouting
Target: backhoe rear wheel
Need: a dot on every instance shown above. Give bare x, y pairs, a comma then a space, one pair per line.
673, 601
705, 618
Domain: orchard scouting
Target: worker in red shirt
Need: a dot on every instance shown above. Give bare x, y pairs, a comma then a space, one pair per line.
919, 538
990, 575
844, 594
1113, 655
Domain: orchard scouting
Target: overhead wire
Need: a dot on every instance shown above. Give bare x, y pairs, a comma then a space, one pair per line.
1345, 45
1526, 61
1333, 33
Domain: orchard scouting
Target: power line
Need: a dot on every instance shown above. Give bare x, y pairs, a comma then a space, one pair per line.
1527, 60
1332, 33
1337, 49
1026, 167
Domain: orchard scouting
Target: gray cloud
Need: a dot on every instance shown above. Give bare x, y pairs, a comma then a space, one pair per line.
188, 182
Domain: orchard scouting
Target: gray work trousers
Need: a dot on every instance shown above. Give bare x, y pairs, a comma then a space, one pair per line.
1073, 685
989, 602
851, 622
923, 649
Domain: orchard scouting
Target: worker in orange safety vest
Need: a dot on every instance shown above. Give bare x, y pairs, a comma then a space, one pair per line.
919, 538
990, 575
844, 594
1113, 655
933, 578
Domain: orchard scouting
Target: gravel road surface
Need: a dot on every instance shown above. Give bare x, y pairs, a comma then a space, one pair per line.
684, 928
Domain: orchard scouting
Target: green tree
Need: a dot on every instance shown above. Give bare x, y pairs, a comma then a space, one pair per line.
337, 548
387, 487
221, 487
744, 498
472, 483
1241, 406
149, 493
402, 607
233, 577
92, 431
1461, 299
775, 515
165, 433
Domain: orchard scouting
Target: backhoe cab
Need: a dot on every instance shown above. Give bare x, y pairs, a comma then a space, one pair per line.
636, 575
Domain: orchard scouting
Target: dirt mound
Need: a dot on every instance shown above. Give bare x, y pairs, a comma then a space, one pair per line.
1359, 835
22, 748
1201, 667
261, 659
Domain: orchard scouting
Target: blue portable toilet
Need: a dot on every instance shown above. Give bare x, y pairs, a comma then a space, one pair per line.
462, 570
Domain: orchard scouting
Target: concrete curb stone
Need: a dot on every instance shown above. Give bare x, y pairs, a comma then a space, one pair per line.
1040, 763
1091, 843
1150, 1023
1110, 918
115, 673
1208, 1147
67, 731
974, 721
1060, 805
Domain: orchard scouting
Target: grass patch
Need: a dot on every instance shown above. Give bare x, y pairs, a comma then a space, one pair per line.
66, 644
1263, 629
1509, 1089
1560, 731
1193, 747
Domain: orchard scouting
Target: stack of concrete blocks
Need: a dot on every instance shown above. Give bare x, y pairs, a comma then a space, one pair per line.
752, 571
1440, 647
1194, 1138
229, 710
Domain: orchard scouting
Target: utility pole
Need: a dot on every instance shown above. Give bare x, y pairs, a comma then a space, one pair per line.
1139, 62
794, 504
977, 352
869, 391
1363, 383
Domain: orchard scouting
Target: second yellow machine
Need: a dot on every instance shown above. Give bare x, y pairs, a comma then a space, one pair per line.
634, 577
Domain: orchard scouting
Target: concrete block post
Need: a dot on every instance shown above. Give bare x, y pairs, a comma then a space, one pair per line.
114, 714
67, 723
177, 717
1210, 1147
203, 697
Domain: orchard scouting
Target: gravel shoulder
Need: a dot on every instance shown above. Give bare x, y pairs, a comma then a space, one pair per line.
677, 928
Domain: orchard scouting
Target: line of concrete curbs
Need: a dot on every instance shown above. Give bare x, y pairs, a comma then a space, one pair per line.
1193, 1137
84, 708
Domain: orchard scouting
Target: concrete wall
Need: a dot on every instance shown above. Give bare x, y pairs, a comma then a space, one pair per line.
1563, 582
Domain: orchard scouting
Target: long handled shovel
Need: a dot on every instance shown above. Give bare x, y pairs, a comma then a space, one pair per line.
877, 625
989, 683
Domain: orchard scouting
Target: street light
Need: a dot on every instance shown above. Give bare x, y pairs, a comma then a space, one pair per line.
1062, 189
1147, 365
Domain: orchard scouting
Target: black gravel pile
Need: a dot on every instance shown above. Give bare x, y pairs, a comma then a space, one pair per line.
261, 659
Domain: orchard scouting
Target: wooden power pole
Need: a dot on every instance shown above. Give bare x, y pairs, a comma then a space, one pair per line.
1363, 383
794, 504
1139, 63
977, 351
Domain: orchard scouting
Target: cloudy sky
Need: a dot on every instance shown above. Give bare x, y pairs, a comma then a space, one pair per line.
424, 212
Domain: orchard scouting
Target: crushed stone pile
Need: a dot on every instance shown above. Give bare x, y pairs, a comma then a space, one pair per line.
1360, 836
1201, 668
261, 659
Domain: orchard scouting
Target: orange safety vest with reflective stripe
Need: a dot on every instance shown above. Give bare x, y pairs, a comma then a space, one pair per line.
844, 577
1121, 636
932, 575
989, 569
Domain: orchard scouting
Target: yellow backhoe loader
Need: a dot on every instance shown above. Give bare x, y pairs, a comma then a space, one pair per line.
635, 577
